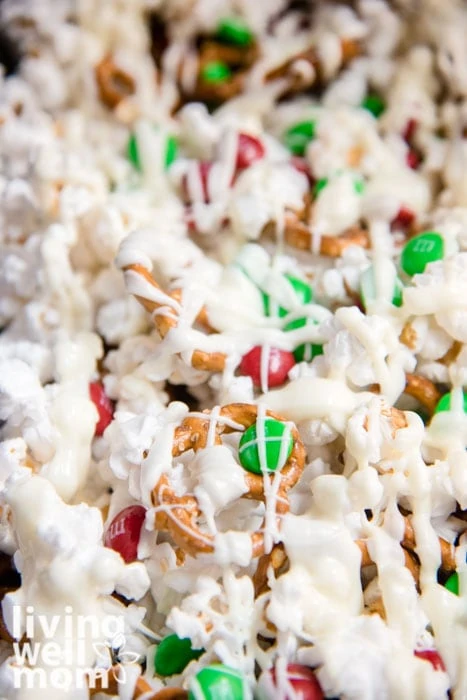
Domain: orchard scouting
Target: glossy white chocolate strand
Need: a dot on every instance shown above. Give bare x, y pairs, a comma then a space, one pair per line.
344, 573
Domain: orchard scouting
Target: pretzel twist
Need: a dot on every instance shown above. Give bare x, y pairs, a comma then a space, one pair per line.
447, 550
178, 514
298, 80
278, 559
409, 560
113, 83
298, 235
207, 361
239, 59
221, 91
242, 58
171, 694
448, 559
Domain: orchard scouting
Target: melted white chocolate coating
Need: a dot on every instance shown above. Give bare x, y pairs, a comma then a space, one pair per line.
75, 213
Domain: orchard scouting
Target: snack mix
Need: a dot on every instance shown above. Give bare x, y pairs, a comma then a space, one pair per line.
233, 358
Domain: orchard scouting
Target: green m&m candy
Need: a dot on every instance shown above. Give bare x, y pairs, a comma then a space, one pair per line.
216, 72
359, 186
320, 185
219, 682
265, 446
306, 351
374, 104
173, 655
420, 251
299, 135
444, 404
302, 291
171, 149
452, 584
397, 297
368, 288
233, 30
133, 152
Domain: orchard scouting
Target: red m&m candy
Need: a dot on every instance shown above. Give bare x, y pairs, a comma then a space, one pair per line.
203, 168
301, 679
103, 404
432, 656
124, 532
409, 130
249, 150
403, 219
301, 164
413, 159
278, 365
190, 220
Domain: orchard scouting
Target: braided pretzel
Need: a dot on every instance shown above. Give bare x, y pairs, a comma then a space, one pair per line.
277, 558
448, 561
240, 59
165, 307
178, 513
242, 56
299, 80
213, 361
113, 83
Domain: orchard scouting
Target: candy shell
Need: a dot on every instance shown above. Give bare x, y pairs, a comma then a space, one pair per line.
123, 533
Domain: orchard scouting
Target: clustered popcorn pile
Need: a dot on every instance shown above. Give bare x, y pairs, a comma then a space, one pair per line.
233, 294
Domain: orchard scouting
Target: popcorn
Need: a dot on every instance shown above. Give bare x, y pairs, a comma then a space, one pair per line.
185, 186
